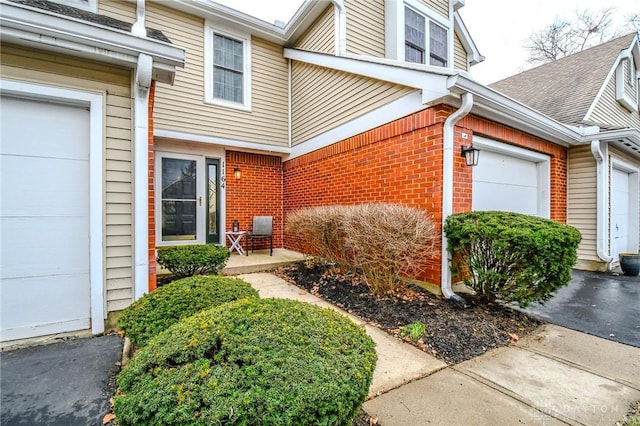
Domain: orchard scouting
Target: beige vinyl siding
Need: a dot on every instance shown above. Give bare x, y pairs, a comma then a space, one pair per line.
181, 107
113, 82
581, 199
324, 99
119, 9
320, 37
440, 6
459, 54
609, 111
365, 27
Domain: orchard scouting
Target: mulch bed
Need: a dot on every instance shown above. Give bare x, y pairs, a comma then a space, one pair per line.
453, 333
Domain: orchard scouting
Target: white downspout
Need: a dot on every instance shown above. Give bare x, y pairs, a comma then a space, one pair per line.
340, 27
141, 175
290, 101
447, 191
138, 27
602, 199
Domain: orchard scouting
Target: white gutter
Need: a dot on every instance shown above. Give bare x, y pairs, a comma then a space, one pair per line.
340, 27
141, 175
600, 153
49, 28
447, 191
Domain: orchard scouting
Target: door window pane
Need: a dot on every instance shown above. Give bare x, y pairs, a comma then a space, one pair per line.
213, 199
178, 199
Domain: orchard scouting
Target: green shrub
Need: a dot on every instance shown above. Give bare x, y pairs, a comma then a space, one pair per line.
414, 331
158, 310
250, 362
189, 260
511, 256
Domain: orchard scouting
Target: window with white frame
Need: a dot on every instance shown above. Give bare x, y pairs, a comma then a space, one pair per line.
419, 42
228, 69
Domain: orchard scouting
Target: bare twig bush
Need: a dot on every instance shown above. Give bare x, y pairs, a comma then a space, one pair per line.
321, 231
389, 241
386, 241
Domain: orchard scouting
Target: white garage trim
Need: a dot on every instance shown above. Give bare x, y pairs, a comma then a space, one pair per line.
634, 200
95, 103
542, 161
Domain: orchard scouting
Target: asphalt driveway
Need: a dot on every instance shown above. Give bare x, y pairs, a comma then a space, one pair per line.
603, 304
65, 383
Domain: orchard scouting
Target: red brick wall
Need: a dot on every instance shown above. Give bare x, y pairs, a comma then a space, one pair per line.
151, 195
401, 162
258, 192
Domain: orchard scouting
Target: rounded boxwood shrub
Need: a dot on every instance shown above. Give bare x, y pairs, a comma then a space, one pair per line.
250, 362
512, 256
194, 259
160, 309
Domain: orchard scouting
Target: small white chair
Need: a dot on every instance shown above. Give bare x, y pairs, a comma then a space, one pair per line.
262, 228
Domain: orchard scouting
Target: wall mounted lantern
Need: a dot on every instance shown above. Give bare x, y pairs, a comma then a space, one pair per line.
470, 155
236, 173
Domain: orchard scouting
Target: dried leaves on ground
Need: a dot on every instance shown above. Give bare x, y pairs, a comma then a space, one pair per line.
453, 334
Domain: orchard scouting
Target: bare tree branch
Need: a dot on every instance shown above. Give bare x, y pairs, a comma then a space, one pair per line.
565, 37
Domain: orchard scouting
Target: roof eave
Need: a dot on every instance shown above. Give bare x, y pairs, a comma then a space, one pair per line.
473, 54
494, 105
224, 15
26, 26
626, 139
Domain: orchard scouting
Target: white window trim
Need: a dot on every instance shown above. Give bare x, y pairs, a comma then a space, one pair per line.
394, 29
89, 5
209, 31
95, 103
543, 162
621, 82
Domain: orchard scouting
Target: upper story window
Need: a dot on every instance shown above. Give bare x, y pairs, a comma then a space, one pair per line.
631, 72
228, 69
417, 33
417, 44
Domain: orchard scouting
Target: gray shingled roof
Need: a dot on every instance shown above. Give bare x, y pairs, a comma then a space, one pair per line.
84, 15
565, 89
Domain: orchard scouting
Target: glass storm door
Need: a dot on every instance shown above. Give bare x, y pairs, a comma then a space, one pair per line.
213, 201
179, 199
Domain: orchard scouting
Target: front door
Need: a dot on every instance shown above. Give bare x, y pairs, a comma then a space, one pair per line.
187, 199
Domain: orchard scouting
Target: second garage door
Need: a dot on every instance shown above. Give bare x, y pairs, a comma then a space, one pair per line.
510, 179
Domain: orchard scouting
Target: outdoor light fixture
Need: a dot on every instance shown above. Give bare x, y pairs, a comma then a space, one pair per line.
236, 173
470, 155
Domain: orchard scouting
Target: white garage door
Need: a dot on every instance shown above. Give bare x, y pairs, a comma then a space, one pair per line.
45, 285
506, 183
619, 212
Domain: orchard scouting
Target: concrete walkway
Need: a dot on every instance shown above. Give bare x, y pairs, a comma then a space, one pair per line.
557, 376
398, 362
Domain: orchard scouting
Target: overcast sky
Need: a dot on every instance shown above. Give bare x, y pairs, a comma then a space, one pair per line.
498, 27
